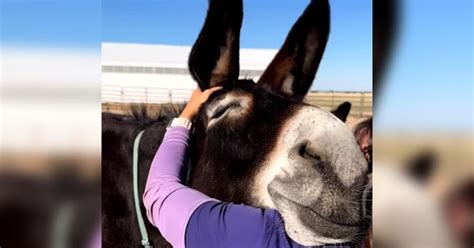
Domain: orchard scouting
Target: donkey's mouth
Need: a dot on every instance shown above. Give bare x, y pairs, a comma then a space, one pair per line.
310, 220
276, 196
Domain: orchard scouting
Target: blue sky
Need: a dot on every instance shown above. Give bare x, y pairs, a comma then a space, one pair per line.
430, 83
69, 24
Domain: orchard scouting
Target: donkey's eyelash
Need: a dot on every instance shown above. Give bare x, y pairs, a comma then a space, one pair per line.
222, 109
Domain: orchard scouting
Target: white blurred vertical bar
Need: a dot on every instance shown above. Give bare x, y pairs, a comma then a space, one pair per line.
50, 103
51, 100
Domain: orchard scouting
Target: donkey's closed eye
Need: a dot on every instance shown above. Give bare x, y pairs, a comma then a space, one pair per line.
221, 110
305, 153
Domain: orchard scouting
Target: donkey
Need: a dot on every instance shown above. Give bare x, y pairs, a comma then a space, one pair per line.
255, 143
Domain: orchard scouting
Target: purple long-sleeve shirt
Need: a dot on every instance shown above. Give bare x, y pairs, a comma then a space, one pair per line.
186, 217
169, 204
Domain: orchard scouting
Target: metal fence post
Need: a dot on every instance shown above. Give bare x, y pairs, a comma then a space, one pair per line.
361, 110
332, 99
146, 95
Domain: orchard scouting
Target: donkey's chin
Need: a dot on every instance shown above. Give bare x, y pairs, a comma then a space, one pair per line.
305, 225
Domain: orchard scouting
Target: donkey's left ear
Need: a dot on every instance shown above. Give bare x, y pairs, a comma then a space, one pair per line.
214, 58
292, 70
342, 111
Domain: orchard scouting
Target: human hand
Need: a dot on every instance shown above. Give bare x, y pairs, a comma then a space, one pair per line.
197, 99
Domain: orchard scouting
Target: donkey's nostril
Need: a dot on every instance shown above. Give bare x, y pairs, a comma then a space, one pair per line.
303, 152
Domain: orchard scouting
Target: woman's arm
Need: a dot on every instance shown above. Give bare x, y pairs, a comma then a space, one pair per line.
168, 202
182, 213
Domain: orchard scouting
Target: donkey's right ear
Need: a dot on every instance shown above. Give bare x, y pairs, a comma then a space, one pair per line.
294, 67
214, 58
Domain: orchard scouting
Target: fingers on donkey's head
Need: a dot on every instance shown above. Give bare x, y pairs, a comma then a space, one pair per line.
207, 93
213, 89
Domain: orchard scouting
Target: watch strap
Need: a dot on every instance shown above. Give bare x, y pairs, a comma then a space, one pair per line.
180, 122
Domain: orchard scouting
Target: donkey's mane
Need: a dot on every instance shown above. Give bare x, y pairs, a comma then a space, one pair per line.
141, 113
146, 114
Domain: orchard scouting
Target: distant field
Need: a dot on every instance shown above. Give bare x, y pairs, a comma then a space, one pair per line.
453, 151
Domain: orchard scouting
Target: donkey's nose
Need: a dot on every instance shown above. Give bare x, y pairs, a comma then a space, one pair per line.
323, 142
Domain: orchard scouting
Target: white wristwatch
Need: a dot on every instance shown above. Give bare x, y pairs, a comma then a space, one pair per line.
180, 122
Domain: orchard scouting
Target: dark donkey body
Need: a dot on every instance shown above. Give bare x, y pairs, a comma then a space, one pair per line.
254, 143
119, 221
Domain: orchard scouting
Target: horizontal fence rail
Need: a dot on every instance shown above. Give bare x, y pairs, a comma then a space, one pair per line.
115, 97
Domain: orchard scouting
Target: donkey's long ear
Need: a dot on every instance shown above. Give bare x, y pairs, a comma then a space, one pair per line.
342, 111
214, 58
293, 69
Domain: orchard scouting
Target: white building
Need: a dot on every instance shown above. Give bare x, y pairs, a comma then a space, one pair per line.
154, 73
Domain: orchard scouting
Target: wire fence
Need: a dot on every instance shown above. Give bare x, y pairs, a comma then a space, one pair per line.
117, 94
361, 101
116, 97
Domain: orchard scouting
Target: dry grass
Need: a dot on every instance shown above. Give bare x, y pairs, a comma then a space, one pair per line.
36, 163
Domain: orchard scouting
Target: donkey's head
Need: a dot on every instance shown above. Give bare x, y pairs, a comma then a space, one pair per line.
265, 146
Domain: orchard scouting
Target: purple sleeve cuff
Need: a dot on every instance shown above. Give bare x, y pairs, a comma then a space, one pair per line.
169, 204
